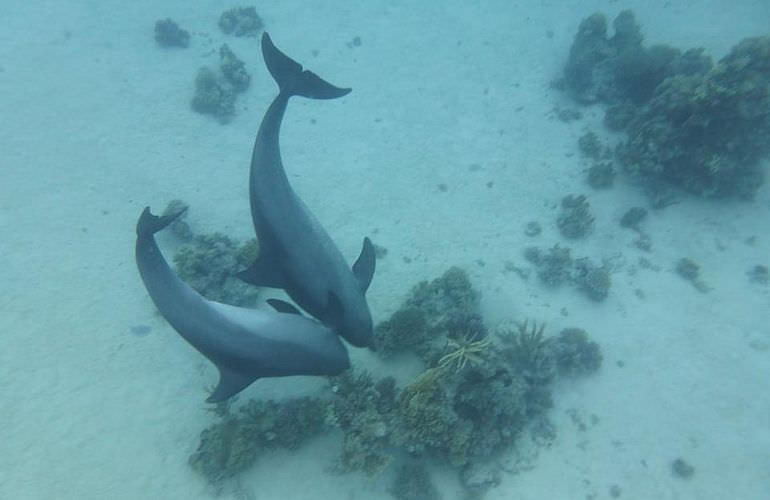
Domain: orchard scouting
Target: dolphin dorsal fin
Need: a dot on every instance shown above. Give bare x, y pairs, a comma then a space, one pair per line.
363, 269
230, 384
283, 307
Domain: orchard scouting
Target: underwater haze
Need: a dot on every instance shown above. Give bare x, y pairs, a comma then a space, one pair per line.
569, 206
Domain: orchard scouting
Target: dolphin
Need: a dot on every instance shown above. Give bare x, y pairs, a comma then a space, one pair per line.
295, 252
244, 344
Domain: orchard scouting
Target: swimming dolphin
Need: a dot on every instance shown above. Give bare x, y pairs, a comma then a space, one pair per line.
244, 344
295, 252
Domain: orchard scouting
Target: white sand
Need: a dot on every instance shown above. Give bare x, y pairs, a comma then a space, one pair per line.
95, 124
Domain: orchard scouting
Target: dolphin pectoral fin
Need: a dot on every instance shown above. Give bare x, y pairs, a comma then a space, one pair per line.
283, 307
260, 273
230, 384
292, 80
363, 269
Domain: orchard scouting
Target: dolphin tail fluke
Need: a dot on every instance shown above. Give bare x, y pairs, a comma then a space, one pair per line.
292, 79
150, 224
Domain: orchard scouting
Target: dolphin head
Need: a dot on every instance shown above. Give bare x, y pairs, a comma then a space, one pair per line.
353, 323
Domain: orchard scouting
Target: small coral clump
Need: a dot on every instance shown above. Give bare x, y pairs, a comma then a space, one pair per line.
215, 93
575, 220
209, 265
234, 443
556, 266
169, 34
241, 21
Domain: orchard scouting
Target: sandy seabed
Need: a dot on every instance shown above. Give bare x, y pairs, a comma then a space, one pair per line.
95, 123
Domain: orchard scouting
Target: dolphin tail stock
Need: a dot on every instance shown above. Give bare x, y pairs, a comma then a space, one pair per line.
292, 79
150, 224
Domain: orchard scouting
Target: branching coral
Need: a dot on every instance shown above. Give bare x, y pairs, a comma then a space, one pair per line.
467, 350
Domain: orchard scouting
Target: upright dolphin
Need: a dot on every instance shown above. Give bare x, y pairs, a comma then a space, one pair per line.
244, 344
295, 252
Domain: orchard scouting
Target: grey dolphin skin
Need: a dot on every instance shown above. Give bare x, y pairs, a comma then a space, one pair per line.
244, 344
295, 252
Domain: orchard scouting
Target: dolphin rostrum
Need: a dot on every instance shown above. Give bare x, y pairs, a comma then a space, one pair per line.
295, 252
244, 344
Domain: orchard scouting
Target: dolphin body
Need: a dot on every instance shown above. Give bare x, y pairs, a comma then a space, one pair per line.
295, 252
244, 344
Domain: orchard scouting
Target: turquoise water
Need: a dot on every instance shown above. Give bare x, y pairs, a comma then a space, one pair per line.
453, 139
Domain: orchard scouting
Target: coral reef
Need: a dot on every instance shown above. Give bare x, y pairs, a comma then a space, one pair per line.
633, 217
759, 274
575, 354
234, 443
601, 175
241, 21
575, 220
682, 469
533, 228
707, 132
690, 271
477, 478
169, 34
446, 303
209, 265
215, 93
212, 96
691, 124
406, 328
179, 228
233, 69
590, 146
412, 482
474, 398
556, 267
593, 280
366, 413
